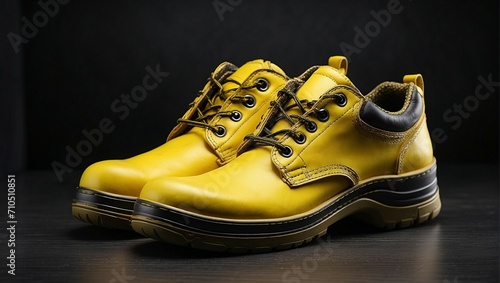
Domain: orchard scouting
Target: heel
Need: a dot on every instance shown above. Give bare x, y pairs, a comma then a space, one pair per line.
393, 217
398, 202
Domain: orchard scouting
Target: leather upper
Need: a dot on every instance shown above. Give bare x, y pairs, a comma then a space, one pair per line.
192, 150
349, 148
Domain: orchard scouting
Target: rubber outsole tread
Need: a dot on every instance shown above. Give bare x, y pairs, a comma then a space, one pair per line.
101, 218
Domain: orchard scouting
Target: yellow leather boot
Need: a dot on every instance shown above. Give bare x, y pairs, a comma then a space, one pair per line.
324, 151
206, 137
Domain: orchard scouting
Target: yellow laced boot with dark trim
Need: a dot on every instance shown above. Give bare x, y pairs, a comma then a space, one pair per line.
323, 152
206, 137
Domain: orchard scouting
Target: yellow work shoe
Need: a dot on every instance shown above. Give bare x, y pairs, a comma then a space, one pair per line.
227, 109
323, 152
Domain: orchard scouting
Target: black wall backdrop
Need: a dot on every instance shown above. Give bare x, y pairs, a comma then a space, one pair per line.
76, 58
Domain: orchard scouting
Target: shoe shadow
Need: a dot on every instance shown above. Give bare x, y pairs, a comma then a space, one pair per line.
351, 226
95, 233
346, 228
156, 249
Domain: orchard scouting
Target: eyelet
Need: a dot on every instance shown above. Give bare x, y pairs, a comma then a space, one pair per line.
341, 99
311, 127
249, 101
322, 115
299, 138
262, 84
236, 115
221, 131
286, 151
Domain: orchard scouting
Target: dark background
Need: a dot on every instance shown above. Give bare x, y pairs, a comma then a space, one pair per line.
66, 77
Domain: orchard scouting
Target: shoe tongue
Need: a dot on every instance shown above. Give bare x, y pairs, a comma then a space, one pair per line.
318, 83
246, 70
321, 81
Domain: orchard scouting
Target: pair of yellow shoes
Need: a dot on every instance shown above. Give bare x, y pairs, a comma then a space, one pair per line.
261, 161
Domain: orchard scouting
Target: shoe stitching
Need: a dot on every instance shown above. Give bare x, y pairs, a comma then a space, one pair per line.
315, 135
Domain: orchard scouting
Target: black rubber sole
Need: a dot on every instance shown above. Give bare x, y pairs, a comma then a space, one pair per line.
103, 209
389, 202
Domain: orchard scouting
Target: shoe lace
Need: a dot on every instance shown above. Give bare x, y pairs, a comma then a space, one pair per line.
282, 107
207, 111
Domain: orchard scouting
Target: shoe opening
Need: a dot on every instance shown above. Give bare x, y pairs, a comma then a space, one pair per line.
390, 96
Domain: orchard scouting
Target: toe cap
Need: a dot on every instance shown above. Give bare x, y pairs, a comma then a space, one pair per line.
113, 176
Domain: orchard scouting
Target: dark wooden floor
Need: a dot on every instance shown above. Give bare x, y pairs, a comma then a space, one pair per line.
461, 245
